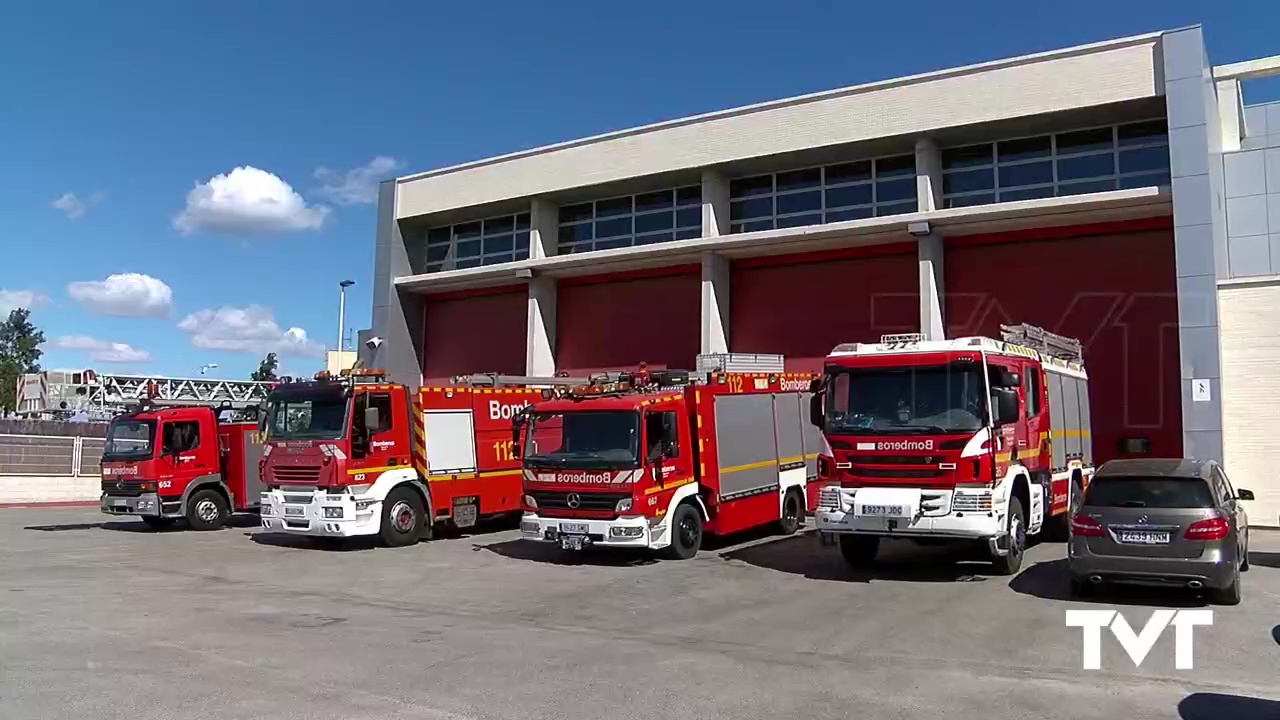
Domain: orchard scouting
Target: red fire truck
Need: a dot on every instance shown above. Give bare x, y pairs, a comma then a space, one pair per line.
656, 459
354, 455
973, 438
167, 463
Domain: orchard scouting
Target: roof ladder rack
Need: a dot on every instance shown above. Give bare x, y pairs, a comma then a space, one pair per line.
497, 380
1043, 341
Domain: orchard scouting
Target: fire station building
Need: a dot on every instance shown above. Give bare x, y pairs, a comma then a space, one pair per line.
1119, 192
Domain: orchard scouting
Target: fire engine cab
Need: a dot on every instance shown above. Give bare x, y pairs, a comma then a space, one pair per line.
973, 438
655, 460
354, 455
194, 462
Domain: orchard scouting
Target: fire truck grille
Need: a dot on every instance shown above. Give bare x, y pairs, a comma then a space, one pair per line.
554, 500
122, 487
899, 459
300, 474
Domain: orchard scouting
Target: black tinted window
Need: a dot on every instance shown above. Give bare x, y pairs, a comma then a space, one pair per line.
1149, 492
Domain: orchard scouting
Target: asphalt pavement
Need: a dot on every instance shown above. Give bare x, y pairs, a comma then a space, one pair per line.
100, 618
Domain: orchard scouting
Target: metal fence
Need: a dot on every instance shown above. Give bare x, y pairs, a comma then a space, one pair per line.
50, 455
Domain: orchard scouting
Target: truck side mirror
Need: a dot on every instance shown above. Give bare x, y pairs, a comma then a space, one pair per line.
517, 421
815, 410
1004, 406
372, 419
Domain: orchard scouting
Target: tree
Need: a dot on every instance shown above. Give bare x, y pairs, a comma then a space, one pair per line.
19, 353
266, 369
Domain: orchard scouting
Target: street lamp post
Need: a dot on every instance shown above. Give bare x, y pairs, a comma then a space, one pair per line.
342, 309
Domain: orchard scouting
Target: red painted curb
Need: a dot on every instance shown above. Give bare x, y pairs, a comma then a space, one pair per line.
68, 503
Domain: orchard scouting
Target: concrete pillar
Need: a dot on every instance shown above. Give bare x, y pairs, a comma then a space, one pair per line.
715, 204
398, 317
932, 288
540, 343
928, 175
544, 228
715, 303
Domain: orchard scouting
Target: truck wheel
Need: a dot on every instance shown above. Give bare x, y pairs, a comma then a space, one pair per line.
157, 523
686, 533
792, 513
1011, 562
402, 518
207, 510
859, 551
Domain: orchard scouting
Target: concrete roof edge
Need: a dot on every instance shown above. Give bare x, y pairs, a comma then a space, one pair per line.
796, 100
1248, 69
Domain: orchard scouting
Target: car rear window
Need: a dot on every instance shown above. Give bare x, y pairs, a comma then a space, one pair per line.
1152, 492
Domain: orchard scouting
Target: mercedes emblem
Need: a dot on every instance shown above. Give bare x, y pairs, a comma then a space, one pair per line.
573, 500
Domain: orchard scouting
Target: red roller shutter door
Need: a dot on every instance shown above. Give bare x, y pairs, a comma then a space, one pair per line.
804, 306
612, 323
1114, 288
475, 333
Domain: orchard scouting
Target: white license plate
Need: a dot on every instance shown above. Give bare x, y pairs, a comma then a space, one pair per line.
1144, 538
295, 511
572, 542
573, 528
884, 510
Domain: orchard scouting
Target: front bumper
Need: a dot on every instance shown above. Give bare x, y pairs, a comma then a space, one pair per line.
623, 532
1215, 568
147, 504
303, 512
925, 513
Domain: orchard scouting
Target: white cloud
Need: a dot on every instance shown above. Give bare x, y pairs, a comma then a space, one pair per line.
357, 186
247, 200
124, 295
73, 206
102, 351
13, 299
251, 329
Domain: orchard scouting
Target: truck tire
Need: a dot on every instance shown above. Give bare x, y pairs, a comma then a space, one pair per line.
792, 513
859, 551
402, 518
686, 533
1058, 528
207, 510
156, 522
1011, 562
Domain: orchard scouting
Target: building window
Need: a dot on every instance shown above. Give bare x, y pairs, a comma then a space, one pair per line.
482, 242
643, 219
1069, 163
813, 196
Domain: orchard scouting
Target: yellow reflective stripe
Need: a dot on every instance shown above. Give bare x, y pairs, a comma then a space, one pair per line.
384, 468
748, 466
668, 486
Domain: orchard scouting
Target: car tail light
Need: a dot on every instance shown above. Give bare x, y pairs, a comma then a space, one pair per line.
1085, 526
1215, 528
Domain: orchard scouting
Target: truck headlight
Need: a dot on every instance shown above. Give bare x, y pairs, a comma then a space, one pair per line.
626, 532
266, 509
364, 504
333, 512
623, 505
529, 501
529, 528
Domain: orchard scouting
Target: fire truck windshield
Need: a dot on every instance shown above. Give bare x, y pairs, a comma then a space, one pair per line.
905, 400
129, 439
588, 439
307, 413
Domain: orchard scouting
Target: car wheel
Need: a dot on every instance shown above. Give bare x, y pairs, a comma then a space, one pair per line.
207, 510
1011, 562
792, 512
1229, 595
859, 551
686, 533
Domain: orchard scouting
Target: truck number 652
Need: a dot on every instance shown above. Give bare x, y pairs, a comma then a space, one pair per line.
166, 484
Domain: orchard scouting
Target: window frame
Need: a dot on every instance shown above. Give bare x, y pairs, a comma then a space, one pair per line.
519, 230
164, 436
632, 237
1056, 186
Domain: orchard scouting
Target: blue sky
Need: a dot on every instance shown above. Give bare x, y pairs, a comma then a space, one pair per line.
142, 110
